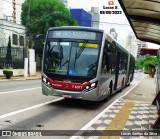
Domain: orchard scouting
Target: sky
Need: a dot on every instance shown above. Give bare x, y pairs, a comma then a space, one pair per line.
107, 21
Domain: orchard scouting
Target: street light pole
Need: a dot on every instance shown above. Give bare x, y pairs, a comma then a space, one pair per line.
28, 28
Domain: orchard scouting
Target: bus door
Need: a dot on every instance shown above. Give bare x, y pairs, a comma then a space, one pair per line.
117, 85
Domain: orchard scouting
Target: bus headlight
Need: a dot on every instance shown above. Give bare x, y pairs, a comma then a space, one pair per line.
46, 82
91, 86
87, 87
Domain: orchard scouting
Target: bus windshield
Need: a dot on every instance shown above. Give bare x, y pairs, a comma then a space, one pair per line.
72, 58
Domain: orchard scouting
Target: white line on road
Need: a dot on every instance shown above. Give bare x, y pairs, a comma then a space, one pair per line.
1, 93
29, 108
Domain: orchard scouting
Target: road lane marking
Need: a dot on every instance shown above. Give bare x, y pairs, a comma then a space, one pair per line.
1, 93
119, 121
29, 108
85, 127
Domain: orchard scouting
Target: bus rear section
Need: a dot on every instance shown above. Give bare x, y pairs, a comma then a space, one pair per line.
70, 63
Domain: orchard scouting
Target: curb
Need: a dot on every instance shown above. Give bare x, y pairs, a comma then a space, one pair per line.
23, 79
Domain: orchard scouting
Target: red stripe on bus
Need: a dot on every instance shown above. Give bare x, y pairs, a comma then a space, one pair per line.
69, 86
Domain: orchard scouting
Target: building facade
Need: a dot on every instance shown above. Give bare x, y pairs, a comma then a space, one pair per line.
10, 28
15, 31
1, 9
134, 45
95, 17
17, 35
131, 45
83, 18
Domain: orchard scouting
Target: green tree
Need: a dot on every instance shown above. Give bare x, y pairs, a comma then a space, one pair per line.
146, 62
150, 60
45, 14
8, 55
139, 64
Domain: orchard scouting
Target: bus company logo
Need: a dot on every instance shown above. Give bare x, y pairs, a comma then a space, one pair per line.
6, 133
111, 2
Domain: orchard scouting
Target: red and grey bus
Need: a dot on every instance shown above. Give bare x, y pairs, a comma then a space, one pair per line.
84, 63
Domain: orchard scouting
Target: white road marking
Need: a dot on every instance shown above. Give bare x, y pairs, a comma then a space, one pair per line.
100, 114
1, 93
29, 108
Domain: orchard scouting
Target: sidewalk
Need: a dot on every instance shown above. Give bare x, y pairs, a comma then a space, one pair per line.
132, 113
37, 76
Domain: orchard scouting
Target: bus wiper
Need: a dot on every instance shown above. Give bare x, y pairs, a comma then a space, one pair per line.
64, 64
78, 54
60, 51
92, 65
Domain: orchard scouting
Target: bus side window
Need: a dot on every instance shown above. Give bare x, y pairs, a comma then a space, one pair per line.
106, 59
103, 63
113, 60
121, 64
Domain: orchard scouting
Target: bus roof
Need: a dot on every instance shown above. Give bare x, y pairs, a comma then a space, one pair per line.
77, 27
111, 40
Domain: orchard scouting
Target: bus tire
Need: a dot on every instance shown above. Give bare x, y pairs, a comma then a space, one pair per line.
129, 82
122, 85
109, 94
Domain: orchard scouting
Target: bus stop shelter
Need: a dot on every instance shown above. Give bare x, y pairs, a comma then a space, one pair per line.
144, 18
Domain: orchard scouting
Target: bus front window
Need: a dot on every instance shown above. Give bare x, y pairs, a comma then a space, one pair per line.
57, 57
71, 58
85, 59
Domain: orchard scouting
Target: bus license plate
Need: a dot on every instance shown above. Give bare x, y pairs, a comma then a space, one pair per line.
66, 96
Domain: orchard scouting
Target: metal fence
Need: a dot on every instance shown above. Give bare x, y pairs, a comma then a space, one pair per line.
17, 61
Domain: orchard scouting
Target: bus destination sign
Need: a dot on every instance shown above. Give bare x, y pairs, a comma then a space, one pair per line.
74, 34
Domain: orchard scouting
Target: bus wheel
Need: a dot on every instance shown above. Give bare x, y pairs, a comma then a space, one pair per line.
122, 86
109, 94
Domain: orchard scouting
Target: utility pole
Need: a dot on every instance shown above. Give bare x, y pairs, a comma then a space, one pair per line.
28, 44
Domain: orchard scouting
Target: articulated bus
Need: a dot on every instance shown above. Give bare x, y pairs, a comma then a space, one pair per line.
84, 63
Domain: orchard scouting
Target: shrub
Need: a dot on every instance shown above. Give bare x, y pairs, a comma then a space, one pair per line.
8, 73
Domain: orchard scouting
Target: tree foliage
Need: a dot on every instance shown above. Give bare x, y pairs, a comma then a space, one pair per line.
146, 62
45, 14
139, 64
8, 55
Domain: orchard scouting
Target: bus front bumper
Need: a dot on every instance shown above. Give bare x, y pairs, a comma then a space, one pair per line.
92, 95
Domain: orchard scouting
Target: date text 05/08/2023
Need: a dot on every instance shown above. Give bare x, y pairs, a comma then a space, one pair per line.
110, 12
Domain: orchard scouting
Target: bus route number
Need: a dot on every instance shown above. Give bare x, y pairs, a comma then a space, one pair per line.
77, 87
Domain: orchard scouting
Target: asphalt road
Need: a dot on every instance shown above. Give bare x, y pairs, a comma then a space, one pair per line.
23, 107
